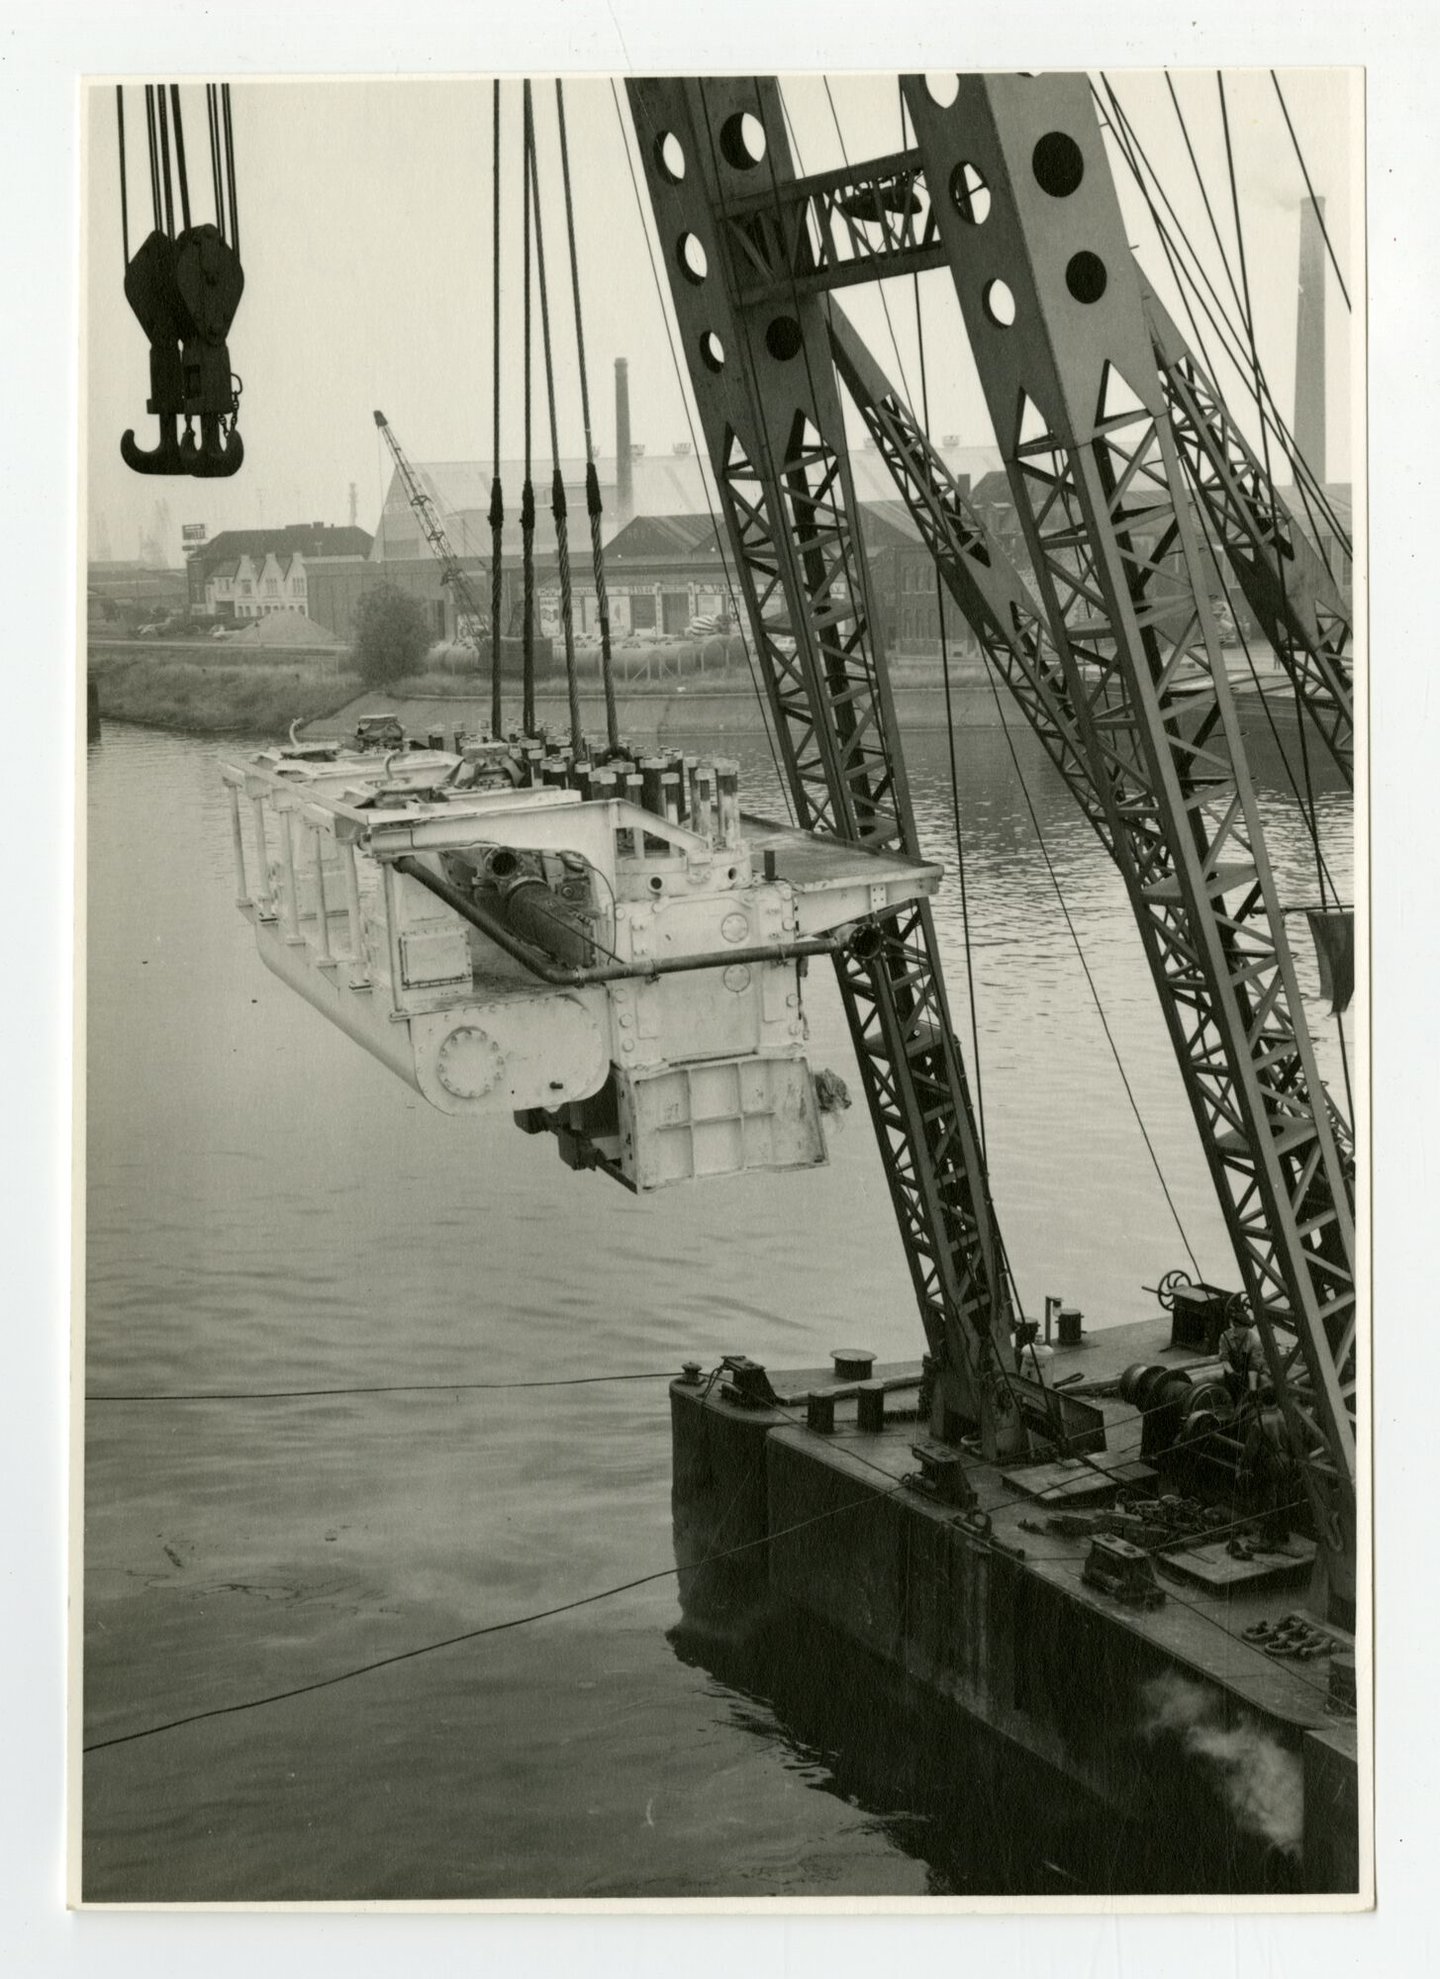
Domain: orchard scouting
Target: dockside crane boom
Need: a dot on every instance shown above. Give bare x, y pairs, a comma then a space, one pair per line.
1296, 602
1055, 315
452, 571
774, 428
1117, 662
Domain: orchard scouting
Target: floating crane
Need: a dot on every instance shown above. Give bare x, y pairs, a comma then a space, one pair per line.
1114, 642
601, 943
452, 571
611, 885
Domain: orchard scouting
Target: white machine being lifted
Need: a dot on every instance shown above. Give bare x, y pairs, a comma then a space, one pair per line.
609, 953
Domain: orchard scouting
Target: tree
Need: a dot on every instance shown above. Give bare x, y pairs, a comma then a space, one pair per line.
392, 635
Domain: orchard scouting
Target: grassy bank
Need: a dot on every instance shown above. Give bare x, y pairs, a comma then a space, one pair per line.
215, 699
209, 692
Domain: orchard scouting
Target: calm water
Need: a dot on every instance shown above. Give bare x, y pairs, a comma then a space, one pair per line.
268, 1208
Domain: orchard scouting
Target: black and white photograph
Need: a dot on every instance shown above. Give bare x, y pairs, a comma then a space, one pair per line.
723, 1010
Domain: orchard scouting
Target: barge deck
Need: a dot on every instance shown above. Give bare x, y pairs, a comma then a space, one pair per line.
987, 1605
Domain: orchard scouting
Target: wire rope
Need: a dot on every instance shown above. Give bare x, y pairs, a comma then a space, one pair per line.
497, 497
1135, 155
230, 168
1310, 808
527, 491
1305, 174
475, 1634
212, 122
1123, 142
558, 507
380, 1388
162, 121
870, 1497
593, 505
180, 171
1257, 387
124, 193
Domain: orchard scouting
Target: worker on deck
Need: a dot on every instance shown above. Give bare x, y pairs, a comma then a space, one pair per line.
1242, 1358
1267, 1479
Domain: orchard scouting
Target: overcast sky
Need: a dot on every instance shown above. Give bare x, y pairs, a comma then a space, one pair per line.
365, 215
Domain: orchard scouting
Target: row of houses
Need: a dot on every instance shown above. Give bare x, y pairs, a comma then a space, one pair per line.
246, 574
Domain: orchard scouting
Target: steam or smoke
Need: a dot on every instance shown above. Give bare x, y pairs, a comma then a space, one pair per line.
1262, 1782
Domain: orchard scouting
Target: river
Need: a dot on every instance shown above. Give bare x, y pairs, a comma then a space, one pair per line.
268, 1208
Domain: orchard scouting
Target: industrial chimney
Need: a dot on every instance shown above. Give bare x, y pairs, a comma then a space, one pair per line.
624, 467
1310, 341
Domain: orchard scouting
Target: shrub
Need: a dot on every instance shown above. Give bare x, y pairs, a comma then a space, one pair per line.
392, 635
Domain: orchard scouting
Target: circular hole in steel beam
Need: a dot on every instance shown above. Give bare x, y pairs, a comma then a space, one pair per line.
1057, 164
999, 304
694, 264
943, 88
742, 140
1085, 276
670, 157
712, 352
969, 194
783, 338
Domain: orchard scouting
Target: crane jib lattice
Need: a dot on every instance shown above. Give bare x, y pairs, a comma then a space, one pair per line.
1112, 435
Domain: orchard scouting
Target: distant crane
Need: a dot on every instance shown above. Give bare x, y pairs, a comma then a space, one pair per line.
452, 573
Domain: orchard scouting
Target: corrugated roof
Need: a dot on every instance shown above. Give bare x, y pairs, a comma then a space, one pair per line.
667, 485
305, 539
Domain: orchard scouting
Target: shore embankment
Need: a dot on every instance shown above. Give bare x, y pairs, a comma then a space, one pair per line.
205, 690
208, 691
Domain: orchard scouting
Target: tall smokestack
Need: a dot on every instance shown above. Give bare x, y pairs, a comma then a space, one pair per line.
624, 465
1310, 341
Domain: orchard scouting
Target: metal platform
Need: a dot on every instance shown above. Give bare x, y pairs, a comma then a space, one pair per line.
987, 1605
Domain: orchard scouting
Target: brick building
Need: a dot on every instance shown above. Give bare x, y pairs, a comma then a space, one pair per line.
252, 573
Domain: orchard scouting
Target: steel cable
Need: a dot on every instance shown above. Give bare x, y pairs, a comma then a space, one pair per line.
1305, 174
181, 173
527, 492
497, 498
1249, 316
162, 122
893, 1486
1135, 156
557, 480
592, 480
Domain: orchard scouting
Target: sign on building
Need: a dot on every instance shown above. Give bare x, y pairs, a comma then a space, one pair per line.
192, 534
